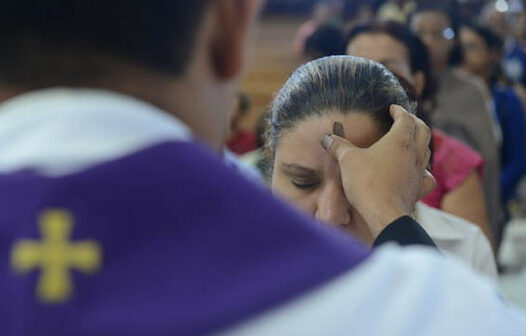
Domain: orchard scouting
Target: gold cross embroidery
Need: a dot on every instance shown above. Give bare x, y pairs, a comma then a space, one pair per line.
55, 255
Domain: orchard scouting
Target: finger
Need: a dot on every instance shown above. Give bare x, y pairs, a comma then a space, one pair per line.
428, 184
404, 125
422, 139
337, 147
427, 159
424, 161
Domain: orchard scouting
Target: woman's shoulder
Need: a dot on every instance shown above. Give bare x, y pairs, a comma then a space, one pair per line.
462, 92
467, 81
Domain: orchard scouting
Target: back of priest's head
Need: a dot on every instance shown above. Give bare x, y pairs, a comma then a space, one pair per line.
65, 42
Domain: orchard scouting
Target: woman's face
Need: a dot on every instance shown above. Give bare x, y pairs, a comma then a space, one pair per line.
519, 28
392, 53
305, 175
434, 28
477, 56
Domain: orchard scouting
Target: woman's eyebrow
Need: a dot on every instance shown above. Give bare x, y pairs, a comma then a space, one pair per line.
297, 169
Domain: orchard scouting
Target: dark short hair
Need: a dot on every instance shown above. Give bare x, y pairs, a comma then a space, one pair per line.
490, 38
446, 7
156, 34
327, 40
418, 54
244, 103
243, 108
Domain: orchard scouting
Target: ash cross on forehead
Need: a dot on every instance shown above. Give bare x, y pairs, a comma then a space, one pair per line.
337, 129
55, 255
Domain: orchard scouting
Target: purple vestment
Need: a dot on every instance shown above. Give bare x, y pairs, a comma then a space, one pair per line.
187, 247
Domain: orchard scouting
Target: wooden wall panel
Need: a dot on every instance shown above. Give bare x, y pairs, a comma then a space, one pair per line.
273, 60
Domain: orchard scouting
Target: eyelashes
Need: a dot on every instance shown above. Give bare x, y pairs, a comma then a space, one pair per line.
305, 185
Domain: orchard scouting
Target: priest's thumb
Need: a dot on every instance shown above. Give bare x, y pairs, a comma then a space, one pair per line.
336, 146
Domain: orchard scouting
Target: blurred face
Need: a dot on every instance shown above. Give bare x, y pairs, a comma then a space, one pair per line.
305, 175
519, 28
383, 49
434, 28
364, 14
477, 56
498, 21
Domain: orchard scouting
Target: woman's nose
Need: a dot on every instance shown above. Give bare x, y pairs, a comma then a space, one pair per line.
333, 207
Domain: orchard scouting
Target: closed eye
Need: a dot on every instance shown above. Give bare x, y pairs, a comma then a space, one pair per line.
305, 185
301, 177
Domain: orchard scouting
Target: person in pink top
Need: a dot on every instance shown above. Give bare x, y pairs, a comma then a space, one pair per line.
454, 164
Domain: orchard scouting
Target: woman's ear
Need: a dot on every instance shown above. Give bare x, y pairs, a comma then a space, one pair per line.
419, 80
233, 22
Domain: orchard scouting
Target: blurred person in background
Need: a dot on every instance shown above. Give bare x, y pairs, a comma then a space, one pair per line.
396, 10
519, 28
482, 57
462, 106
327, 40
504, 18
240, 140
358, 12
256, 158
514, 63
468, 8
456, 167
325, 12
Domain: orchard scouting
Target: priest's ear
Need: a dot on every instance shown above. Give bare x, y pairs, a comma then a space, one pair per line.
234, 20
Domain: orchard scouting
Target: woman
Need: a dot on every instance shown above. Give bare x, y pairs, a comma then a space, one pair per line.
356, 94
461, 106
456, 167
483, 50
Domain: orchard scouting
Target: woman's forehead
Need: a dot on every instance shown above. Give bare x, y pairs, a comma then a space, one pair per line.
304, 137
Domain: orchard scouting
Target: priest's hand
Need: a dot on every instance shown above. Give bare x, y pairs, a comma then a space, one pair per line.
383, 182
